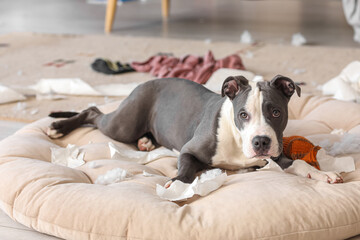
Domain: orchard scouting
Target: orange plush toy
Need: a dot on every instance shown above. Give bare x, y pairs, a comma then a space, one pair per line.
297, 147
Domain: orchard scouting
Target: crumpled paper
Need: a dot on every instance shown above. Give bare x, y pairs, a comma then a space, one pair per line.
123, 152
77, 86
327, 163
71, 156
335, 164
179, 191
246, 38
8, 95
298, 39
345, 86
113, 176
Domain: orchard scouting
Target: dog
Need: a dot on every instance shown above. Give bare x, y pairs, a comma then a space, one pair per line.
239, 128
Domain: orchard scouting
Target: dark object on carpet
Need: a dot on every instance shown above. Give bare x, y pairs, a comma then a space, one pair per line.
108, 67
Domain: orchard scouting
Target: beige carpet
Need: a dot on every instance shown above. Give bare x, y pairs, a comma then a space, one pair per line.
22, 63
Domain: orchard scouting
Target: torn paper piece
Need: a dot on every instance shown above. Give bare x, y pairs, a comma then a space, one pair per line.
298, 71
146, 174
249, 54
49, 96
272, 166
92, 164
179, 191
9, 95
69, 156
338, 131
246, 37
207, 40
113, 176
349, 143
123, 152
345, 86
116, 89
34, 111
76, 86
298, 39
20, 107
337, 164
67, 86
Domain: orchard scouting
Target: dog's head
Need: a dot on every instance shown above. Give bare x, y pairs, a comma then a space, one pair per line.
260, 112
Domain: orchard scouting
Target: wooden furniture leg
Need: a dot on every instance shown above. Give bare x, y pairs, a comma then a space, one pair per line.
165, 6
110, 14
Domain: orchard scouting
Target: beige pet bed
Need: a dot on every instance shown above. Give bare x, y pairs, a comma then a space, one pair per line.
65, 202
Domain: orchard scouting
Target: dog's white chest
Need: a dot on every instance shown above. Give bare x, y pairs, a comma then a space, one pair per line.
229, 151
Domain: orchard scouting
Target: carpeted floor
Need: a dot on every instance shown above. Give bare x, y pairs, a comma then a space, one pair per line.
23, 55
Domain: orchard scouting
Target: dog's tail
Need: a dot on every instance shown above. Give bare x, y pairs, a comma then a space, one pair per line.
63, 114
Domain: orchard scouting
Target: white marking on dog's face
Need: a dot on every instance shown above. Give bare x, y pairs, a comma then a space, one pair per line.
229, 150
256, 125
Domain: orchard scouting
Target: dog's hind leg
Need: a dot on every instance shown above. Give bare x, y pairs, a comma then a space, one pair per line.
74, 120
126, 124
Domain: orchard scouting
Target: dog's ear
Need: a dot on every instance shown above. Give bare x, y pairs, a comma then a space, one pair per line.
233, 85
286, 85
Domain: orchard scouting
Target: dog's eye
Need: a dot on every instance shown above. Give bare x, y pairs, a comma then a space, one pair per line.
276, 113
244, 115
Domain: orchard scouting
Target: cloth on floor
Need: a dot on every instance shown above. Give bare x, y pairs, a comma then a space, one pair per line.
194, 68
108, 67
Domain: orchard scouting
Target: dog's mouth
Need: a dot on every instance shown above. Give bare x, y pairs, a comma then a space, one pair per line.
262, 156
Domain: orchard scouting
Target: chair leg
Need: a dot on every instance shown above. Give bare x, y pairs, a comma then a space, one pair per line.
165, 6
110, 14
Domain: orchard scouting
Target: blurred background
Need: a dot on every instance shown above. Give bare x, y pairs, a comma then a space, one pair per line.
322, 22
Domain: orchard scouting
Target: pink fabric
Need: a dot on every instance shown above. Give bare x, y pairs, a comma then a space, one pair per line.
194, 68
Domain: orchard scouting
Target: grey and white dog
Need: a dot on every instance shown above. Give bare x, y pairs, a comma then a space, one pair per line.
240, 128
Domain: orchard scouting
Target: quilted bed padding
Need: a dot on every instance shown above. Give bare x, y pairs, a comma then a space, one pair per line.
64, 202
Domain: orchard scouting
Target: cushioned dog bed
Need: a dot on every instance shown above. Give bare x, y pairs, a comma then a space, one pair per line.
65, 202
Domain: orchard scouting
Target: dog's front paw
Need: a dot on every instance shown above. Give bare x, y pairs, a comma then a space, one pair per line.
329, 177
183, 179
145, 144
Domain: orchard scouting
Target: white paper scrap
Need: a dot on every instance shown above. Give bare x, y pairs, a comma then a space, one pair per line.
179, 191
113, 176
125, 153
116, 89
298, 39
338, 131
92, 164
146, 174
67, 86
69, 156
9, 95
246, 37
273, 166
77, 86
345, 86
337, 164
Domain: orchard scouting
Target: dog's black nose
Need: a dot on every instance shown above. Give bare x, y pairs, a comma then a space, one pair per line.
261, 144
